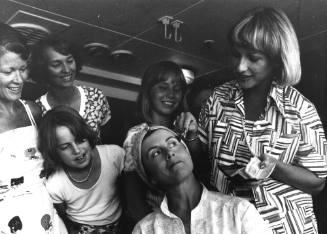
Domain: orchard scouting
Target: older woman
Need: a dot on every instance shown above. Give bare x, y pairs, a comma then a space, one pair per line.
24, 202
265, 139
164, 163
56, 63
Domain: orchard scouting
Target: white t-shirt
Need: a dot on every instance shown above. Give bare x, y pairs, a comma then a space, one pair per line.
98, 205
216, 213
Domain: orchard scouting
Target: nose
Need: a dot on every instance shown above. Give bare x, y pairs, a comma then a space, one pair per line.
171, 92
75, 148
65, 67
169, 154
19, 77
241, 64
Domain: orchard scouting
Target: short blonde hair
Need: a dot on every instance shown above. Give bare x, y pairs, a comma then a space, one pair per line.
269, 31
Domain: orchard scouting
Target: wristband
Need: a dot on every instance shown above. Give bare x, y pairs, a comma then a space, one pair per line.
193, 138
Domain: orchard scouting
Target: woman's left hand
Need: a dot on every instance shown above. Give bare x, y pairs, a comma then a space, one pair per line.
187, 125
267, 161
261, 168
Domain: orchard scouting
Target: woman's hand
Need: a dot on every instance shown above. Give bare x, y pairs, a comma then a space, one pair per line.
186, 124
260, 168
267, 165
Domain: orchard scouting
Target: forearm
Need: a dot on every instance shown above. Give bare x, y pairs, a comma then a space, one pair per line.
298, 177
200, 161
195, 148
61, 210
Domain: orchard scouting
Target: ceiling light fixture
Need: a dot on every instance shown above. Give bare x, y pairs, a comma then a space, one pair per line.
122, 54
165, 20
32, 32
189, 75
97, 49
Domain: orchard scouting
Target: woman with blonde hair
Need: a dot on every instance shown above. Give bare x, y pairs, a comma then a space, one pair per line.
25, 205
265, 140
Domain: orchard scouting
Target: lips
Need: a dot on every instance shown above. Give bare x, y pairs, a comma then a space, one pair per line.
242, 77
172, 165
15, 89
169, 103
67, 78
81, 158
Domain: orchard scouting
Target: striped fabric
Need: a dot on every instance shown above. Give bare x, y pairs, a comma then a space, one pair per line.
290, 130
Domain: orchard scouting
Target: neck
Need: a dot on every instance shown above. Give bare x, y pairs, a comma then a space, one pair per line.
260, 91
62, 95
255, 101
183, 198
81, 175
8, 106
161, 120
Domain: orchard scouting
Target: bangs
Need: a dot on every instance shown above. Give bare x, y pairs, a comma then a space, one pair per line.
257, 33
63, 48
163, 75
77, 127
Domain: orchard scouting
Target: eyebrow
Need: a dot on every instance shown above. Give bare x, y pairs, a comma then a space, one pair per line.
168, 138
153, 147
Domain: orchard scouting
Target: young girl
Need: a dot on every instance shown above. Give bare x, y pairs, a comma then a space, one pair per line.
82, 177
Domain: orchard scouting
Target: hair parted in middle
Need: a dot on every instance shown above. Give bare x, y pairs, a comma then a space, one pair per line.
47, 137
268, 30
153, 75
39, 64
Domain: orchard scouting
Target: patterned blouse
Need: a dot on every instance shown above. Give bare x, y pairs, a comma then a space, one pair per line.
290, 130
94, 107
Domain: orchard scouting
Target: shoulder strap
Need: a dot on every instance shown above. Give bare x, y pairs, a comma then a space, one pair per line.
81, 90
29, 112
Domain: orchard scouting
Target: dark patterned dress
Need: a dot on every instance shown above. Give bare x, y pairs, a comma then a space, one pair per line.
94, 107
290, 130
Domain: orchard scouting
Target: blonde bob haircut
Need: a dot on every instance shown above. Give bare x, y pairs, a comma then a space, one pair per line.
269, 31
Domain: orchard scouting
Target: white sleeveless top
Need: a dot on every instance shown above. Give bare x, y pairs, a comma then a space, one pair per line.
25, 206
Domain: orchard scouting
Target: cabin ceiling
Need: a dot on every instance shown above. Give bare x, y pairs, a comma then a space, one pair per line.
133, 25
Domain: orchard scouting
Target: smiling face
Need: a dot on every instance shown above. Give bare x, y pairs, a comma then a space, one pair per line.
13, 73
165, 159
74, 153
61, 68
252, 68
166, 96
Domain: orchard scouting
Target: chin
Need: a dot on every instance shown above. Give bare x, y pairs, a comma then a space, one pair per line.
68, 84
14, 97
169, 111
246, 85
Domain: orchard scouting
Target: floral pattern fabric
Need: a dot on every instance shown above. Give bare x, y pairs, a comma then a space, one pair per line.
94, 107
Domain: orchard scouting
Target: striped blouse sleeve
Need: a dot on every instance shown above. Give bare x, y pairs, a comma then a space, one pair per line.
312, 150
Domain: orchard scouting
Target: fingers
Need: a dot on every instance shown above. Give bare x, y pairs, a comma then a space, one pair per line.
185, 122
